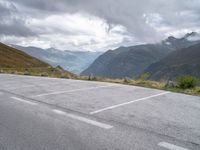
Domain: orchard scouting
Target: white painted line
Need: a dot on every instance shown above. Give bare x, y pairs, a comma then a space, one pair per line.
126, 103
171, 146
86, 120
25, 101
59, 112
69, 91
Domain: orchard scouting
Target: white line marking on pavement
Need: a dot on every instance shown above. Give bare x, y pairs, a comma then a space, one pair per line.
86, 120
25, 101
59, 112
171, 146
69, 91
126, 103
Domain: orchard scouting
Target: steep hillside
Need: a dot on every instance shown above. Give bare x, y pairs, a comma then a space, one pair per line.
13, 58
15, 61
132, 61
181, 62
74, 61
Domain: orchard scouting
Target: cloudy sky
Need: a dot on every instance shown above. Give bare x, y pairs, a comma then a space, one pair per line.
95, 25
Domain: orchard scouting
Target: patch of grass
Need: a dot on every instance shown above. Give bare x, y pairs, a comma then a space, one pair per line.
148, 83
192, 91
42, 71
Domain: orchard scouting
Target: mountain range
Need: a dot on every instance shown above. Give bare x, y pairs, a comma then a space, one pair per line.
185, 61
167, 59
134, 60
73, 61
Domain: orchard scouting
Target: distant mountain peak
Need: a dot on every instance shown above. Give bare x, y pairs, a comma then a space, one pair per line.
185, 41
190, 34
193, 36
170, 39
187, 36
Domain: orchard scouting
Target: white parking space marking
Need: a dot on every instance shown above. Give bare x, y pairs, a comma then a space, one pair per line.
82, 119
59, 112
171, 146
24, 101
126, 103
69, 91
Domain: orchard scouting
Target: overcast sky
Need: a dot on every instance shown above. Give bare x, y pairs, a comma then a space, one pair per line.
95, 25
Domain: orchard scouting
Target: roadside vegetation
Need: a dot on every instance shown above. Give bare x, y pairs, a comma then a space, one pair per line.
56, 72
184, 84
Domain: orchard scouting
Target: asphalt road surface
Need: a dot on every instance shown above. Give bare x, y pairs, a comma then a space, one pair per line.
38, 113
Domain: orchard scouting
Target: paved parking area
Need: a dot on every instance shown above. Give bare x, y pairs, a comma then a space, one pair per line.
106, 105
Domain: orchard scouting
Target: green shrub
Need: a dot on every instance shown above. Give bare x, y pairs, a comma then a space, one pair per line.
186, 82
144, 76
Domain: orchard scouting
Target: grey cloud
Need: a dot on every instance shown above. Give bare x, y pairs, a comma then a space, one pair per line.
16, 28
125, 12
12, 23
129, 13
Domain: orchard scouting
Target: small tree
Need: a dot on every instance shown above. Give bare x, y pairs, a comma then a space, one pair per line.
144, 76
187, 81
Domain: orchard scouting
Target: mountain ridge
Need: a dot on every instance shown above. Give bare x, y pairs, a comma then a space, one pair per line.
132, 61
185, 61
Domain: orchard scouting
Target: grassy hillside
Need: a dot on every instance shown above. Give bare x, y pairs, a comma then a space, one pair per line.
15, 61
13, 58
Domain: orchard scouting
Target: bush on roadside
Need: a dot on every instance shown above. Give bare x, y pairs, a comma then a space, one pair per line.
144, 76
186, 82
